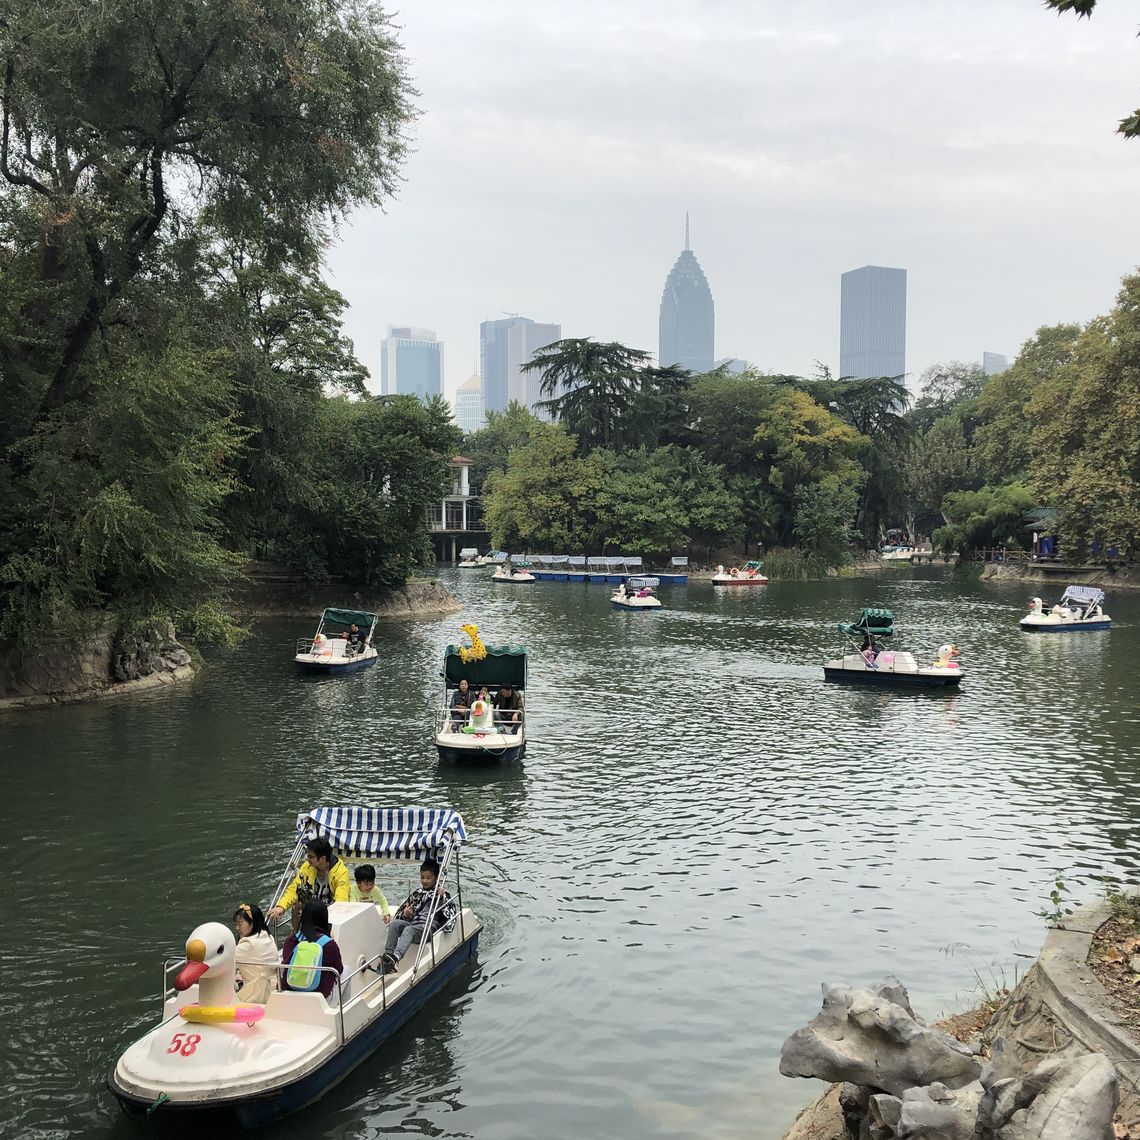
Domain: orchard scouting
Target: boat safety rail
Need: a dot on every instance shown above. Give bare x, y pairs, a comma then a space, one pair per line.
456, 720
428, 936
304, 645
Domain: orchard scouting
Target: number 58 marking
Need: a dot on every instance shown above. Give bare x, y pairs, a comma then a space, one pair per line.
184, 1043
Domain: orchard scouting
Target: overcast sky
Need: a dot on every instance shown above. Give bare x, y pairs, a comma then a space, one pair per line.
970, 142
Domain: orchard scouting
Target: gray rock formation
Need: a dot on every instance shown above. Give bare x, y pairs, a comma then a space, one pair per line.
871, 1037
1062, 1099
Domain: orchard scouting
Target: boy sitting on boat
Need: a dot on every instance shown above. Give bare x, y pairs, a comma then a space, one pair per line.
407, 928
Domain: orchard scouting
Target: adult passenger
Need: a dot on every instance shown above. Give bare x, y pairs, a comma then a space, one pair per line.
323, 878
460, 704
508, 706
354, 639
256, 955
314, 927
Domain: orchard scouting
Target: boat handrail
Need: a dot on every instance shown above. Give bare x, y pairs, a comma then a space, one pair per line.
169, 992
444, 716
436, 901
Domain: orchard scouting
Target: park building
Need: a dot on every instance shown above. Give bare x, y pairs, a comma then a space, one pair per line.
455, 522
872, 323
687, 322
411, 363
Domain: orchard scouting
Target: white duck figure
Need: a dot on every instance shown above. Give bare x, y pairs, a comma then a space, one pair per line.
1036, 606
211, 962
946, 655
482, 717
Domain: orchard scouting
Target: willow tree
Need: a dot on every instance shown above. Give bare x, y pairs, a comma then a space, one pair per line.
134, 138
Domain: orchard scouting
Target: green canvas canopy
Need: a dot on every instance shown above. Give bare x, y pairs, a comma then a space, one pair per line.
503, 665
347, 617
875, 622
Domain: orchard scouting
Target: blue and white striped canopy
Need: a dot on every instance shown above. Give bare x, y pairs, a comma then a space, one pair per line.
1086, 594
384, 833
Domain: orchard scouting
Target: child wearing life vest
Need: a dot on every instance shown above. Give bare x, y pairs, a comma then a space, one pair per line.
312, 946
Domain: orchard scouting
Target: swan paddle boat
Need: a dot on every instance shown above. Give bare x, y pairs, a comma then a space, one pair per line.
872, 664
258, 1063
479, 731
469, 559
516, 573
1080, 608
636, 594
747, 575
328, 650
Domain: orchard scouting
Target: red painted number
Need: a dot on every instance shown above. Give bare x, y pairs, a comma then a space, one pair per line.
184, 1043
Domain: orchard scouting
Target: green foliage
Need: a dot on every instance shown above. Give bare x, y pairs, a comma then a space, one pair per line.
591, 388
1058, 909
490, 448
985, 517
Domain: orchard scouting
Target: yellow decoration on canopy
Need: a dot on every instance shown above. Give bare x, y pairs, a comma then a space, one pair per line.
476, 651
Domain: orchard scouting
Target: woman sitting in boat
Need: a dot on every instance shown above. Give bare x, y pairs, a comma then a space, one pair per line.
314, 930
255, 956
869, 649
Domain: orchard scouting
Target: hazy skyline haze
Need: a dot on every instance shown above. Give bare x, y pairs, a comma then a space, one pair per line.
970, 142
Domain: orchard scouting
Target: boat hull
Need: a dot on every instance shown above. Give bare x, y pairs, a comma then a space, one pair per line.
632, 604
332, 667
516, 580
480, 753
1029, 626
266, 1108
885, 678
740, 581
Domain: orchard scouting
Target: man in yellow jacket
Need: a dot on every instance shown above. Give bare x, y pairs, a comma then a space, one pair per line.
323, 878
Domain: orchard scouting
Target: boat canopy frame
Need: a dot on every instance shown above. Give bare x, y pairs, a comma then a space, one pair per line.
642, 582
870, 622
346, 618
1087, 597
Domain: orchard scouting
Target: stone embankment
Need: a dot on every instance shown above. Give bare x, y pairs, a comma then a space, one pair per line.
1123, 577
55, 670
1054, 1061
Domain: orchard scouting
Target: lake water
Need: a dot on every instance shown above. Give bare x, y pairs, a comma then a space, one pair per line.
703, 831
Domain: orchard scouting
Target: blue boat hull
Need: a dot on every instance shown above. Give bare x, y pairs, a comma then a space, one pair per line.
883, 679
258, 1111
337, 667
1072, 627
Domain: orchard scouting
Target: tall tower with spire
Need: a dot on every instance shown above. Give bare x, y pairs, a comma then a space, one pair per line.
687, 320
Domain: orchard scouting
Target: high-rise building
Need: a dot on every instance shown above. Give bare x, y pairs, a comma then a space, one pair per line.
687, 323
504, 347
872, 323
993, 363
411, 363
469, 405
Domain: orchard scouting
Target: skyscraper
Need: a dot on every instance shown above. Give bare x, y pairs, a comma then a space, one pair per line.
687, 322
469, 405
993, 363
872, 323
504, 347
411, 363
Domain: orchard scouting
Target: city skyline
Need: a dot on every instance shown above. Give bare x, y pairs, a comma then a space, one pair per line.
686, 327
804, 139
411, 362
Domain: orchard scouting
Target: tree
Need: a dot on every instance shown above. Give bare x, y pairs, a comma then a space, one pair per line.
546, 496
590, 387
945, 388
1129, 127
490, 447
985, 517
1086, 435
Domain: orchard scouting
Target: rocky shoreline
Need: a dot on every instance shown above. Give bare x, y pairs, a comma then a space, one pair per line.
1054, 1042
58, 670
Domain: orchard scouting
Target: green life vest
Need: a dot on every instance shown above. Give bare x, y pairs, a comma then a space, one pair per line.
307, 956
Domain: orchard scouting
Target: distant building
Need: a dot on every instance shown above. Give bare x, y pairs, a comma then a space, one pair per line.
469, 414
872, 323
456, 521
733, 364
504, 347
993, 363
523, 341
411, 363
686, 326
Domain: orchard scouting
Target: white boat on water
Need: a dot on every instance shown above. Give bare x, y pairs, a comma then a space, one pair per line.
469, 559
636, 594
257, 1063
336, 647
903, 552
1080, 609
514, 573
475, 729
747, 575
873, 664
